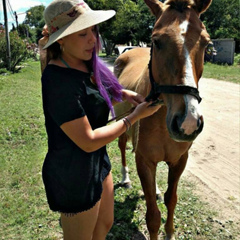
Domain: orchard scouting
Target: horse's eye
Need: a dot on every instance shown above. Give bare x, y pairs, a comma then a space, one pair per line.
157, 44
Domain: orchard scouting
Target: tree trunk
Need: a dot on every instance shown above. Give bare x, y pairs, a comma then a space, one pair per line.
109, 46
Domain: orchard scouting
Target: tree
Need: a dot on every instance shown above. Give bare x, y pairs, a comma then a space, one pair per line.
132, 24
222, 19
25, 31
34, 18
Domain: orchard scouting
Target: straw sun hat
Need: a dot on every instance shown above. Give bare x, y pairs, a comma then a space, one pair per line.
64, 17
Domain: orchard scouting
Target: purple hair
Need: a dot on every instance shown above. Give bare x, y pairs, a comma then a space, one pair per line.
106, 81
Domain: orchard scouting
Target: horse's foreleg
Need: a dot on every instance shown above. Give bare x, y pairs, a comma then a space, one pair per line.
122, 143
170, 197
158, 193
147, 173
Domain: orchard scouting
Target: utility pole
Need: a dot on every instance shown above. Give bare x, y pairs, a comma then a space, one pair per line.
7, 35
16, 17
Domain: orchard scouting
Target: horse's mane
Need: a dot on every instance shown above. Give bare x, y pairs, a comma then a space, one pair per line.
180, 5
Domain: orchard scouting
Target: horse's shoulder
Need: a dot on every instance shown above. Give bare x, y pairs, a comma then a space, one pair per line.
137, 53
136, 58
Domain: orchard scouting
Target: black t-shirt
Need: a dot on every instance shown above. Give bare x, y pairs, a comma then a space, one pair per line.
72, 177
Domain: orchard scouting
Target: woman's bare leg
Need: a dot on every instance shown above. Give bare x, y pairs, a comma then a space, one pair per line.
95, 223
106, 210
81, 225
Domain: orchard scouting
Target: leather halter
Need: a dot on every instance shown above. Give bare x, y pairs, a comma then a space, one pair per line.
157, 89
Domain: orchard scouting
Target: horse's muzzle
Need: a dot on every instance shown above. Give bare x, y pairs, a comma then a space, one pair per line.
177, 133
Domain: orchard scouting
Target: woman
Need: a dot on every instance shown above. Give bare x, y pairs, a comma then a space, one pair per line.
78, 92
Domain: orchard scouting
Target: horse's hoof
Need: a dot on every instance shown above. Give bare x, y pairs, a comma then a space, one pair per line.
60, 222
159, 197
170, 237
127, 185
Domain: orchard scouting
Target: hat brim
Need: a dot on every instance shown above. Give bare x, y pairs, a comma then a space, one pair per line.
86, 20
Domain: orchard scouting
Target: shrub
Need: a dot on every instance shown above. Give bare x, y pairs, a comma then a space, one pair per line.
4, 71
19, 52
32, 50
237, 59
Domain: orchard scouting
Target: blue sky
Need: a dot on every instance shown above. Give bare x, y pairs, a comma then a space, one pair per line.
20, 6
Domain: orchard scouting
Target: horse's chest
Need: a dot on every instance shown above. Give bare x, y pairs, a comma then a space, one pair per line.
155, 144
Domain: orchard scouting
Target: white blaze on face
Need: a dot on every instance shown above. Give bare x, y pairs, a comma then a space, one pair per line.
191, 122
183, 28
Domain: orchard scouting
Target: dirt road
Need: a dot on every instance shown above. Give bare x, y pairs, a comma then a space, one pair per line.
214, 161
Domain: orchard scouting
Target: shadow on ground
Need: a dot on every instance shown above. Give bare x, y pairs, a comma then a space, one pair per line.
124, 227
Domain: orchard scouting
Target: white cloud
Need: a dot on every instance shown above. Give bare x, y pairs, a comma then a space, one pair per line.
21, 18
20, 6
24, 4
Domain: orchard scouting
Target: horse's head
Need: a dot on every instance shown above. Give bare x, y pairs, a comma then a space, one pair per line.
179, 40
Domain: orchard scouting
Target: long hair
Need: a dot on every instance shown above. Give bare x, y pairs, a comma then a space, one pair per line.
106, 81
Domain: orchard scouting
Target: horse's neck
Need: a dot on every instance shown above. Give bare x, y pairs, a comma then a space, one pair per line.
143, 85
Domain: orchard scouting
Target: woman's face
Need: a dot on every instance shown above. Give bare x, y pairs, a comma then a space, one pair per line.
79, 45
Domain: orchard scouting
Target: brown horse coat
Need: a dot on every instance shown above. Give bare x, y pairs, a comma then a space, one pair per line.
179, 39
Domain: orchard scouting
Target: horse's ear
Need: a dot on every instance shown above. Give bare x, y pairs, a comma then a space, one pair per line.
202, 5
155, 7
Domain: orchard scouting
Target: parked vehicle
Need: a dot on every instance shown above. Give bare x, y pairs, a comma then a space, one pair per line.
121, 49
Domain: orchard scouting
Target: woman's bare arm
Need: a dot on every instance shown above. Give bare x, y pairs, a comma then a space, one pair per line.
89, 140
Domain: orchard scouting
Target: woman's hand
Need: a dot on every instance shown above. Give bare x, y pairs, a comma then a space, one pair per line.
144, 110
132, 97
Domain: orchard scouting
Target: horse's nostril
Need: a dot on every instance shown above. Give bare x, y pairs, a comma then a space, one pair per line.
176, 123
200, 121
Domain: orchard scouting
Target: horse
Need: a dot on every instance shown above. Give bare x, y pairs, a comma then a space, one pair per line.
169, 71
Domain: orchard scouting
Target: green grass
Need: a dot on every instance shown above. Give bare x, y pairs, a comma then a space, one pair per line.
222, 72
24, 212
